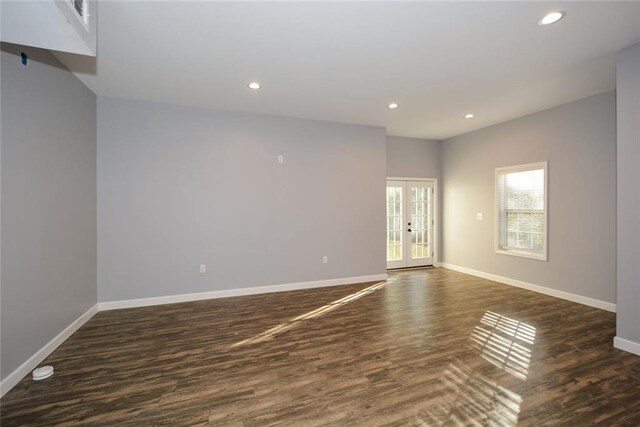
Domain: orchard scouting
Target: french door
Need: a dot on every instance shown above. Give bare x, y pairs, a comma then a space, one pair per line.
410, 223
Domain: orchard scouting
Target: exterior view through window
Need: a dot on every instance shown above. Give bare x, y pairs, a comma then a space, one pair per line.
521, 197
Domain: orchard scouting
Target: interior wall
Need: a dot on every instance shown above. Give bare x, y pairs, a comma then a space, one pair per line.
179, 187
48, 202
628, 213
413, 157
579, 141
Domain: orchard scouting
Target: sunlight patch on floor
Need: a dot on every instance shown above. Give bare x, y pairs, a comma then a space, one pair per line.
320, 311
511, 327
474, 400
505, 343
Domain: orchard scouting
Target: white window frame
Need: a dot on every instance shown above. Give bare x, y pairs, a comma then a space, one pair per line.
523, 252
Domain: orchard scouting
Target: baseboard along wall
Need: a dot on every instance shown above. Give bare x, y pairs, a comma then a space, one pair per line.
591, 302
30, 364
627, 345
23, 370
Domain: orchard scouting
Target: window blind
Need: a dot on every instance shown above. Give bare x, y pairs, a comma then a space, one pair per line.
521, 210
78, 5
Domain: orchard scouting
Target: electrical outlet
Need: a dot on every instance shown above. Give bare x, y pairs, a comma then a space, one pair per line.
479, 216
325, 259
281, 158
203, 268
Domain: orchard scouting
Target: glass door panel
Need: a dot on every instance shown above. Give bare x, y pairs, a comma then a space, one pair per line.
420, 223
395, 234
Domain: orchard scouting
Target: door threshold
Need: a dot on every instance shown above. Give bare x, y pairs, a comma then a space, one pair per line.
420, 267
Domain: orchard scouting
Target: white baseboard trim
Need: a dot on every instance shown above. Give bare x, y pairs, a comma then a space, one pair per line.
25, 369
591, 302
171, 299
30, 364
626, 345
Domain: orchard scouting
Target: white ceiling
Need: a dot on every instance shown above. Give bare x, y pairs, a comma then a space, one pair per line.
346, 61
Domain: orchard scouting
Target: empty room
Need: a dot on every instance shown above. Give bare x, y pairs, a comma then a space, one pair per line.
268, 213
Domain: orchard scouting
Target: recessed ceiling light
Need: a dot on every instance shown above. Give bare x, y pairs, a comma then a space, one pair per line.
469, 116
392, 106
551, 18
254, 85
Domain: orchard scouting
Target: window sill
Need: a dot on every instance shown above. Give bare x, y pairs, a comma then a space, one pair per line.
522, 254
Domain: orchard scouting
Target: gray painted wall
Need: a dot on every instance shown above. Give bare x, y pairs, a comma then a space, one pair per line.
179, 187
413, 157
628, 91
579, 141
48, 202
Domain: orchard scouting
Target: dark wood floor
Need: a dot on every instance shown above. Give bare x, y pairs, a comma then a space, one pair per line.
429, 347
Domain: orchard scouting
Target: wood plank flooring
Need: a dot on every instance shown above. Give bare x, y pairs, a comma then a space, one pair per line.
428, 347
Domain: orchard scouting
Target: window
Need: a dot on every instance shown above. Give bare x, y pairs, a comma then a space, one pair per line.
521, 199
81, 11
78, 5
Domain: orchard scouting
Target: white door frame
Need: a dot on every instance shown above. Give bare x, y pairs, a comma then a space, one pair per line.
436, 212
